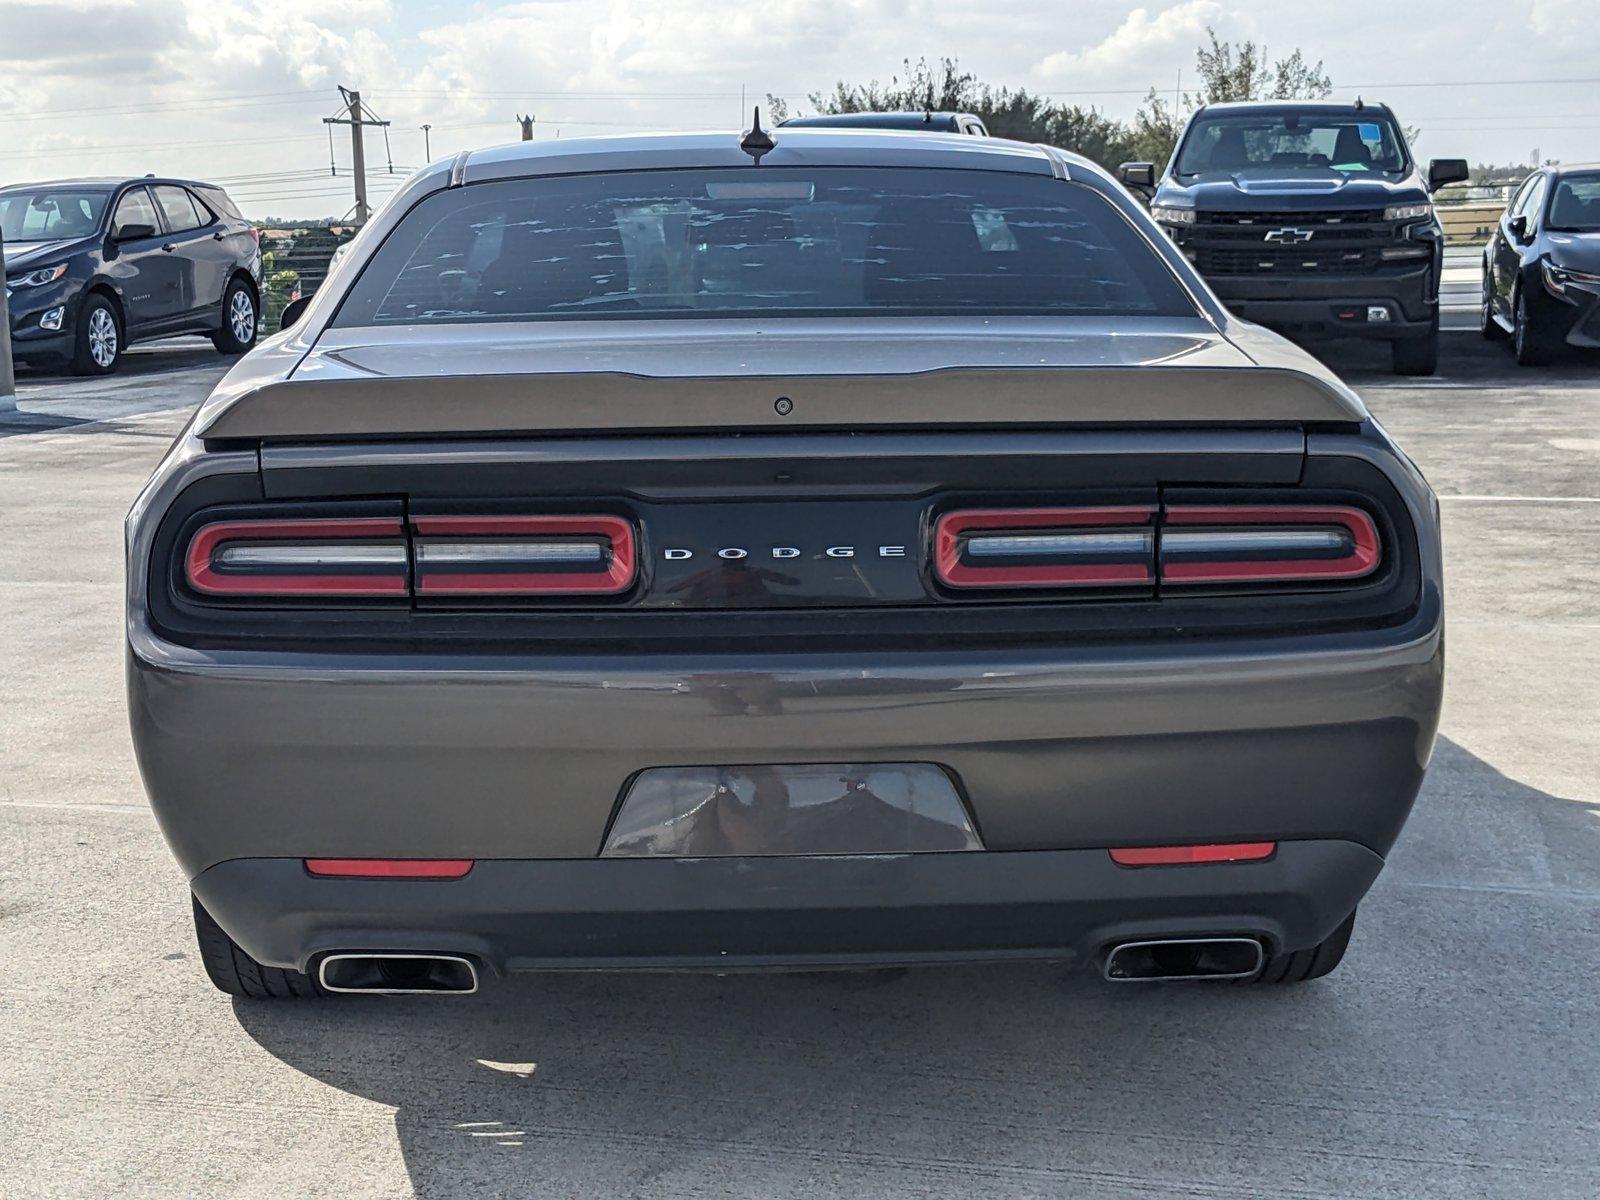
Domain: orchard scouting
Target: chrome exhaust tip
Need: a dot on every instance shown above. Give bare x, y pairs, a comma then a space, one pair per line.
1169, 959
399, 974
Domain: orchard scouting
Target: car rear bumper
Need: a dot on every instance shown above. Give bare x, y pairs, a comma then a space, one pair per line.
725, 913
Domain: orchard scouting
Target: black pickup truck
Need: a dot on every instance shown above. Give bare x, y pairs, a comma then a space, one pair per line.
1310, 217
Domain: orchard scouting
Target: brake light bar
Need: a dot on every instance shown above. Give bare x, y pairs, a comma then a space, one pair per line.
1245, 543
1105, 546
322, 557
1172, 856
589, 555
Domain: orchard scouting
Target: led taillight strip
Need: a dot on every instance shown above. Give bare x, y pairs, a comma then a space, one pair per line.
1068, 547
590, 555
1241, 543
328, 557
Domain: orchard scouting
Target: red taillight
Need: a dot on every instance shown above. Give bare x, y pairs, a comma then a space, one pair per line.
523, 556
344, 556
1244, 543
1171, 856
1046, 547
390, 868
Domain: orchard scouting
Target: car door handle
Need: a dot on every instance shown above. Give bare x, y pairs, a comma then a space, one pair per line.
170, 247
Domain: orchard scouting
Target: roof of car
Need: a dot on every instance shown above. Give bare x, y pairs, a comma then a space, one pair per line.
877, 120
108, 181
1272, 107
1574, 168
830, 147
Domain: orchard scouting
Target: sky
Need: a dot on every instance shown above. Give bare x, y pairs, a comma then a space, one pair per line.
234, 90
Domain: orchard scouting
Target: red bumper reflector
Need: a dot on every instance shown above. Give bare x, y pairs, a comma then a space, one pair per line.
1171, 856
390, 868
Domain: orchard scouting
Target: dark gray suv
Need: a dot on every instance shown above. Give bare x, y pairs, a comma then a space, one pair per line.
94, 264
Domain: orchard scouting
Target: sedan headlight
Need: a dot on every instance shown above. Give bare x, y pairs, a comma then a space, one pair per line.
1407, 212
1557, 279
37, 278
1169, 215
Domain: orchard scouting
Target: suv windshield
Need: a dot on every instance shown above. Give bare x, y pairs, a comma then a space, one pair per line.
1354, 143
780, 241
1575, 204
51, 214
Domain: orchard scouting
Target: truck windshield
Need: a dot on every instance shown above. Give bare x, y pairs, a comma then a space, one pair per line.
1353, 143
1575, 204
50, 214
779, 241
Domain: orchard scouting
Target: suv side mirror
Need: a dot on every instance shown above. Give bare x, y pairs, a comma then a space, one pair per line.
1446, 170
1519, 227
132, 232
1140, 175
293, 311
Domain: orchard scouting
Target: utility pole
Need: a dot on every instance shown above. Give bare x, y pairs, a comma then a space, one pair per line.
427, 144
8, 380
359, 118
527, 127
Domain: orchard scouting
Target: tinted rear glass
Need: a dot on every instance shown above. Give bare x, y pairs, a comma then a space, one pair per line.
774, 241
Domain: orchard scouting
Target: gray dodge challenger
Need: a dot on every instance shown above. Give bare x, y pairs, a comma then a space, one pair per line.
829, 549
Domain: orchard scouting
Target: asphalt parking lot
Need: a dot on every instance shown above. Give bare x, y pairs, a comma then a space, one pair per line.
1454, 1053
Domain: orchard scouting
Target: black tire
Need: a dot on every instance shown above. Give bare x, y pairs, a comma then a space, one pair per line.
238, 330
1416, 355
97, 344
1532, 348
1300, 966
1488, 327
235, 972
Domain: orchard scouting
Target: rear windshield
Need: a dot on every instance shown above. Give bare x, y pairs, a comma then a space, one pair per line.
1353, 144
768, 241
50, 214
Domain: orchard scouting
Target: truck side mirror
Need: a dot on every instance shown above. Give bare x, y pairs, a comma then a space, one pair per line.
1446, 170
1140, 175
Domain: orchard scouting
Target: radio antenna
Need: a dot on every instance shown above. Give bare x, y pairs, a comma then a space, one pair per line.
756, 140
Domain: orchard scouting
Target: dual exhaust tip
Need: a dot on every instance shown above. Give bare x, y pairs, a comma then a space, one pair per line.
1170, 959
399, 974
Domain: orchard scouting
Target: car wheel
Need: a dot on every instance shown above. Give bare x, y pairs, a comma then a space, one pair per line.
235, 972
1526, 340
240, 320
1300, 966
97, 348
1487, 325
1416, 355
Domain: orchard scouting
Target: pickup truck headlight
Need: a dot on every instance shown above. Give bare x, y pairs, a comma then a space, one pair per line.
1407, 212
1557, 279
1169, 215
37, 278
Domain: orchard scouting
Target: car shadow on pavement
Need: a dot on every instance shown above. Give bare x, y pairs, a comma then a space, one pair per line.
1429, 1064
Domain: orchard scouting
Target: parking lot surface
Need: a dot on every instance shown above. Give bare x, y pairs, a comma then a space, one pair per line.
1454, 1053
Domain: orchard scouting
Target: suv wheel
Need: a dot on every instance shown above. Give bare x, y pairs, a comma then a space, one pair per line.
240, 320
235, 972
1417, 355
1526, 339
97, 348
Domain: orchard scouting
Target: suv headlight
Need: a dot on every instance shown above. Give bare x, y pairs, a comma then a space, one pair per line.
1407, 212
1169, 215
37, 278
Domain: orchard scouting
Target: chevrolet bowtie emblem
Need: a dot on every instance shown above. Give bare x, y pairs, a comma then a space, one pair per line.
1289, 237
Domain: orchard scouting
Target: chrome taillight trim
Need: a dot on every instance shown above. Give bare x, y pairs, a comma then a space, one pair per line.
321, 557
1334, 543
1125, 555
514, 555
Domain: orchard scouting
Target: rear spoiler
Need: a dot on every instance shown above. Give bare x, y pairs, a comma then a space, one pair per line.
605, 402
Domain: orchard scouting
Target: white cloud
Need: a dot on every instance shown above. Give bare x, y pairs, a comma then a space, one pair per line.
1141, 46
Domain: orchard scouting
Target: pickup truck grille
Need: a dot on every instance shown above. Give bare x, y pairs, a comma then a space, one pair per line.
1344, 241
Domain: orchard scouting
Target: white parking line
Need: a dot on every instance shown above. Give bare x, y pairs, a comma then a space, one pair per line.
1525, 499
